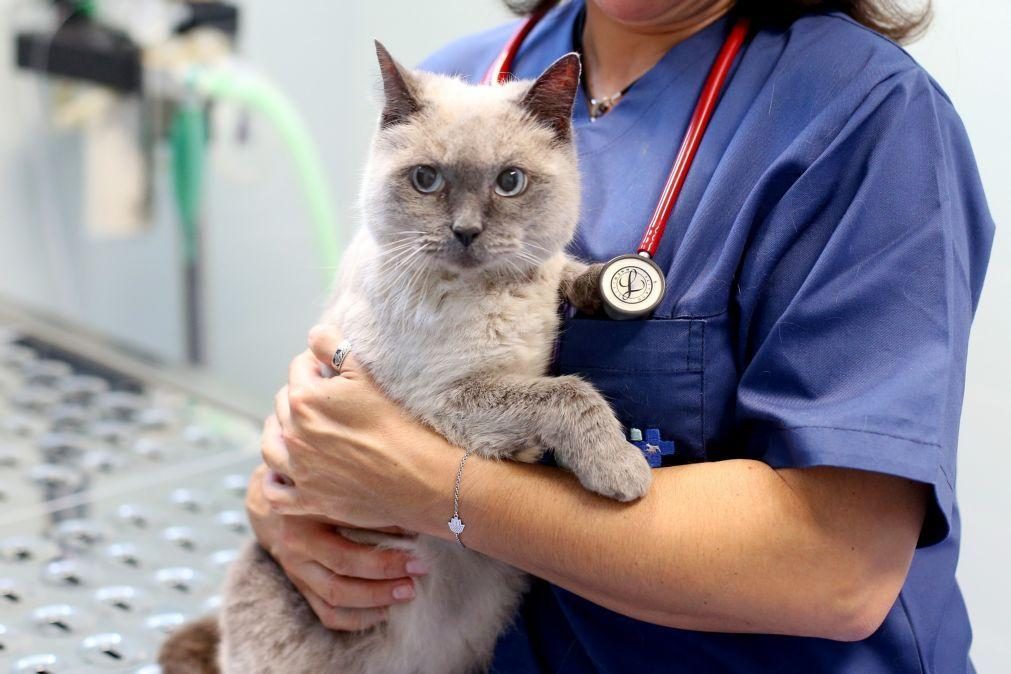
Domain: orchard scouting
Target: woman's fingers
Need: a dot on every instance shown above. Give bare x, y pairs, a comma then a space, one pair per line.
342, 619
324, 341
280, 492
272, 431
344, 592
304, 376
275, 486
274, 451
348, 558
282, 410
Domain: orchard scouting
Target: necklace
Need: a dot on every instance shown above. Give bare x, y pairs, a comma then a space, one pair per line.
601, 106
598, 107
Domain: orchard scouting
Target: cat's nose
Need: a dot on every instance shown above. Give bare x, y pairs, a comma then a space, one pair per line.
466, 234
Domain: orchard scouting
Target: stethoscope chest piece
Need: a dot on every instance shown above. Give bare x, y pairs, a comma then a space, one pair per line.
631, 286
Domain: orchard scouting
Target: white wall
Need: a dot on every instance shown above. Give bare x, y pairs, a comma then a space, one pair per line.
263, 283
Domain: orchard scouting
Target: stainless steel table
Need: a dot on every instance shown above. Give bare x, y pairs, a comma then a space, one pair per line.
121, 485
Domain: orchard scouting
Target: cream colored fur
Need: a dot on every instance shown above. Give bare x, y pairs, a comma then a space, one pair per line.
461, 336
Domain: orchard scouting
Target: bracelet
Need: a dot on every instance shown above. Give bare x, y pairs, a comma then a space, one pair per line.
455, 524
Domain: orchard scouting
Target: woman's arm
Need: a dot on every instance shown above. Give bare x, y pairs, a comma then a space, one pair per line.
731, 546
725, 546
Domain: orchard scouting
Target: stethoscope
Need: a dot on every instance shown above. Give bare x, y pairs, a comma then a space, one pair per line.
633, 285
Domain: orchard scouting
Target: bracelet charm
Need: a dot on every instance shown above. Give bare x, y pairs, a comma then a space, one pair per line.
456, 524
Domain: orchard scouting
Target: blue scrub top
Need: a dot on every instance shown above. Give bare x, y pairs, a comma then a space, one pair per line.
823, 266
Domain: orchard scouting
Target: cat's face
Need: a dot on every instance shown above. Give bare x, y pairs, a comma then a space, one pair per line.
474, 178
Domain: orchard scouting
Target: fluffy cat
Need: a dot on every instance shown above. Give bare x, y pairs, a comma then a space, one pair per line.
449, 296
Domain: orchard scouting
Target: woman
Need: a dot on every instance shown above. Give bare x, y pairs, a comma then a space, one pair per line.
807, 363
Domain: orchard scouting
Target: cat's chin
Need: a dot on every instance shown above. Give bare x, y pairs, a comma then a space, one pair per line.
467, 261
490, 268
475, 263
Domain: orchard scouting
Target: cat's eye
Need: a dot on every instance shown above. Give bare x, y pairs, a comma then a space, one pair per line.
427, 179
510, 182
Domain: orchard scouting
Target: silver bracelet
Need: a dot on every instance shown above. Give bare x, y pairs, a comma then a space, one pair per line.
455, 524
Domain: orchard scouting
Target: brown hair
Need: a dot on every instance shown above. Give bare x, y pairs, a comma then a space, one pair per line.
888, 17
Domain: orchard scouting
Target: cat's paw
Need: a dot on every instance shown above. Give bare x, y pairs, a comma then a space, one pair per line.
583, 291
620, 472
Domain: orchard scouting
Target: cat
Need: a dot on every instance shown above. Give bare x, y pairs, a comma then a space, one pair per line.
449, 295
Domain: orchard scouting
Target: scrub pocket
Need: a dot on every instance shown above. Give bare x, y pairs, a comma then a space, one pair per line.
651, 372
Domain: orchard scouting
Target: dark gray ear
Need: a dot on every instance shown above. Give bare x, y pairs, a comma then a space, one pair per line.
550, 98
400, 101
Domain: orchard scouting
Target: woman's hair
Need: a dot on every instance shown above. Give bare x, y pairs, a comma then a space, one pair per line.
888, 17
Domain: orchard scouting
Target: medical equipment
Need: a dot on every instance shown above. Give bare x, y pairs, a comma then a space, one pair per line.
177, 59
632, 286
198, 85
122, 492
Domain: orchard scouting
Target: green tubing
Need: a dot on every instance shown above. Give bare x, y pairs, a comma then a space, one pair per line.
87, 7
188, 136
262, 96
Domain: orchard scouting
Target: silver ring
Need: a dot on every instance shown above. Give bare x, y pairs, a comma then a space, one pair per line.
340, 355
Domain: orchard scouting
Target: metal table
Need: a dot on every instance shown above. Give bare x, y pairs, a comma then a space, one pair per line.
121, 486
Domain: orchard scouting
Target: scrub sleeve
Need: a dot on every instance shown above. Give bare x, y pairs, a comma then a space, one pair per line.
856, 302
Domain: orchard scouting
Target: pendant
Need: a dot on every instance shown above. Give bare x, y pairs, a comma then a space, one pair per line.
599, 108
456, 525
631, 287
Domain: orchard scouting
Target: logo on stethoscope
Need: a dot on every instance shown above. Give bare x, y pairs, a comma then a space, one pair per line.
631, 285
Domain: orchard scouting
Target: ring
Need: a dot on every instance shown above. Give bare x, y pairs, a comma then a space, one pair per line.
340, 355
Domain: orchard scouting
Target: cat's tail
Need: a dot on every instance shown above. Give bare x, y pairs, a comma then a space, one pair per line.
192, 649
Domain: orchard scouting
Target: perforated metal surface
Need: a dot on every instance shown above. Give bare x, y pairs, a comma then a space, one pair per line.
120, 509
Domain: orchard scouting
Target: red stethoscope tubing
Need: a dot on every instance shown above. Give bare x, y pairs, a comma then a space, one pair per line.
500, 70
693, 137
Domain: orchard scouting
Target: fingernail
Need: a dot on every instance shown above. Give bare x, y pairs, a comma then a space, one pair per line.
403, 592
416, 567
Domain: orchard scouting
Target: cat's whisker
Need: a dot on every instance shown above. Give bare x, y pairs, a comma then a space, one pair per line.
413, 236
512, 265
422, 245
399, 242
539, 247
526, 255
410, 269
410, 231
407, 265
403, 236
388, 286
399, 255
418, 275
400, 246
529, 248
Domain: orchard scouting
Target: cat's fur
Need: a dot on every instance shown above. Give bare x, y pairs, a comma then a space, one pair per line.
461, 336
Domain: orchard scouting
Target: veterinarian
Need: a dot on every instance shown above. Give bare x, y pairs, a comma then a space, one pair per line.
800, 380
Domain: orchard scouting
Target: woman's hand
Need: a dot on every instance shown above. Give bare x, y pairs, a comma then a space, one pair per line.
349, 453
348, 585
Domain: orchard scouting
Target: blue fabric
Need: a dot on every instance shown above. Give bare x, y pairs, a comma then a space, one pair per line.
823, 266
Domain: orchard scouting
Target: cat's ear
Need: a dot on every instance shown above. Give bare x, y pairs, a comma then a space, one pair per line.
400, 101
549, 99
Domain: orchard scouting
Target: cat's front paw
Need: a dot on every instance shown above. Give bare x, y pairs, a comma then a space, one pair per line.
619, 471
583, 291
